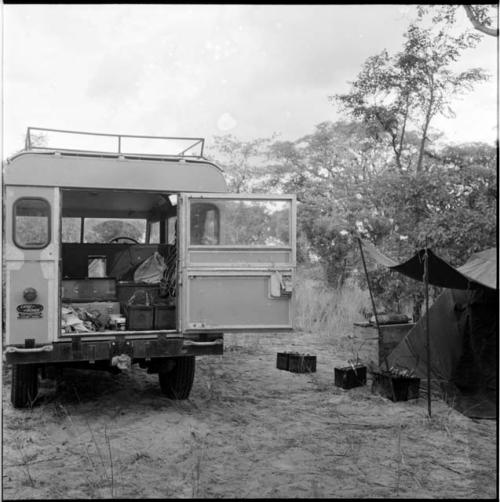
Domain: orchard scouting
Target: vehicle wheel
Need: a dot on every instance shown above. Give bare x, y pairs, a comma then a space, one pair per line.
176, 383
24, 386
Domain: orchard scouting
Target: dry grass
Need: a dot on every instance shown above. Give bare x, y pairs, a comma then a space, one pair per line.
248, 430
100, 478
320, 308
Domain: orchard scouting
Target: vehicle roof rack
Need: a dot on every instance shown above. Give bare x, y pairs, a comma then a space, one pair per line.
38, 138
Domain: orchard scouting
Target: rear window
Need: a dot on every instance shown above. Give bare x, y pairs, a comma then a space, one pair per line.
119, 230
31, 223
241, 222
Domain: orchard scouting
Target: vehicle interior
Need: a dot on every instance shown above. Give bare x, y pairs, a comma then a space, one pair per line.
119, 257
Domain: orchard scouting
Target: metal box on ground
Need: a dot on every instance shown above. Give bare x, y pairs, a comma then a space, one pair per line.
349, 377
396, 388
282, 361
300, 363
164, 317
89, 289
140, 317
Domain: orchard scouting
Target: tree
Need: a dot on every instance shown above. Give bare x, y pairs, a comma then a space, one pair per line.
38, 139
465, 221
480, 19
397, 97
346, 184
367, 101
243, 161
481, 16
451, 207
330, 170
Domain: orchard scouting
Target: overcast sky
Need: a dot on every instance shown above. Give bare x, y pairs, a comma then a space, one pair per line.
196, 70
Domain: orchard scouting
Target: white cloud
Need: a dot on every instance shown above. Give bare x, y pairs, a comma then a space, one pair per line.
226, 122
193, 69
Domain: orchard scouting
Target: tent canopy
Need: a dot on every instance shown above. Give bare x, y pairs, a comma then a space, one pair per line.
479, 271
464, 346
482, 268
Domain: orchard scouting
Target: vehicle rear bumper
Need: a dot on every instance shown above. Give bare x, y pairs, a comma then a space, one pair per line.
77, 349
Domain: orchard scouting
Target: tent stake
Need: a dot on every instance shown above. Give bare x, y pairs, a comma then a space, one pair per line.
371, 298
427, 332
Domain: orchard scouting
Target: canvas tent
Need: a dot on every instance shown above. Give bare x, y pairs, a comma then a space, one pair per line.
479, 271
463, 324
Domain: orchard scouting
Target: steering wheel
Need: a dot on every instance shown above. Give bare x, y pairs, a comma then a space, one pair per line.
116, 239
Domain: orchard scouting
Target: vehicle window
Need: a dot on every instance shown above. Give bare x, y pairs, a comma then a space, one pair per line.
108, 229
171, 229
31, 223
248, 222
204, 223
154, 233
71, 228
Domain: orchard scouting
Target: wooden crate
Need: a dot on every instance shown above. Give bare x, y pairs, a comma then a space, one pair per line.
282, 360
349, 377
396, 388
300, 363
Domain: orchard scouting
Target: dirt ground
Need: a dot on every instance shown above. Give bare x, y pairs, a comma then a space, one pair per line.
248, 430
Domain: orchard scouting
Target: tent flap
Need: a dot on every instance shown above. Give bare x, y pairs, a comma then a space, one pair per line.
480, 269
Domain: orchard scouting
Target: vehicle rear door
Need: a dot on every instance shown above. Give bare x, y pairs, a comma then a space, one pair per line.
237, 262
31, 264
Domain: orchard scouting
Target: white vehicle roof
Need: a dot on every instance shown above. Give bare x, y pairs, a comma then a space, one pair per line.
81, 168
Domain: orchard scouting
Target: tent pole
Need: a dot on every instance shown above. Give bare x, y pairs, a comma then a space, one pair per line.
427, 332
371, 298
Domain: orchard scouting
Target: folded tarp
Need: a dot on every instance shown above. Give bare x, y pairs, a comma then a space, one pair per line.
480, 270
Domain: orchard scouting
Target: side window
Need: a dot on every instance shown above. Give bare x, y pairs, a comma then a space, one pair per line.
31, 223
204, 224
154, 232
71, 229
171, 229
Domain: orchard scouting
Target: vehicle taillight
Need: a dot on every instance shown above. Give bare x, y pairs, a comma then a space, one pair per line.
30, 294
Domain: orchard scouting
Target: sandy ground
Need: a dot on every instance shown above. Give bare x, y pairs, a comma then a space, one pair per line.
248, 430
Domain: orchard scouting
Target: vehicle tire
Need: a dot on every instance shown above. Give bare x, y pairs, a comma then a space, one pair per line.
176, 383
24, 388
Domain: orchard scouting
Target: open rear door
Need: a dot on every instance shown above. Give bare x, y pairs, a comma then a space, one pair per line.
237, 262
31, 264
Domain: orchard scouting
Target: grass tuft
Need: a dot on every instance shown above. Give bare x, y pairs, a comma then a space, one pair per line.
323, 309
